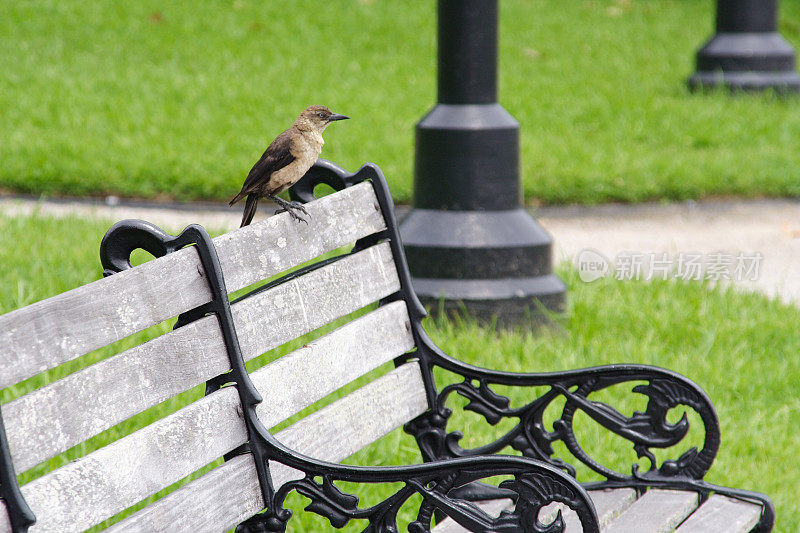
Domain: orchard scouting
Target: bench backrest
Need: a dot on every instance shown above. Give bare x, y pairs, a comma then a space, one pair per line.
66, 327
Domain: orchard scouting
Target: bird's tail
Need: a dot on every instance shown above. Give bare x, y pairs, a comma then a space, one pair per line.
236, 198
249, 209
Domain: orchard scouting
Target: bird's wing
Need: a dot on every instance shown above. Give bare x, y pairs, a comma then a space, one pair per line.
277, 155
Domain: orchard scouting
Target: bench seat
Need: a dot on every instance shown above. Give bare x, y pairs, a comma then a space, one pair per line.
657, 511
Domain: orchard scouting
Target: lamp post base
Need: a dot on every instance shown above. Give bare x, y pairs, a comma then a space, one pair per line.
491, 264
511, 301
746, 61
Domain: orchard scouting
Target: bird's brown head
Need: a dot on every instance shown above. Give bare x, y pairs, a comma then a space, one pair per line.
317, 117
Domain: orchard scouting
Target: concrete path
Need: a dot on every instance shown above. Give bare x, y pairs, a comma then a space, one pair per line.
756, 243
724, 234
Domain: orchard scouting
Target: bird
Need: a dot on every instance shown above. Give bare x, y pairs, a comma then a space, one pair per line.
285, 161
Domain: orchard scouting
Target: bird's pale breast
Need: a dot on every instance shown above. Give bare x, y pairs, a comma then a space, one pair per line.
306, 150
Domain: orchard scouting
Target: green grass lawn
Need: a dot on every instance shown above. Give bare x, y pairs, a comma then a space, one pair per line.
178, 100
742, 349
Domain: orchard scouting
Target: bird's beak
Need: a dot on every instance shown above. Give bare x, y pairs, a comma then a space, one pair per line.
337, 116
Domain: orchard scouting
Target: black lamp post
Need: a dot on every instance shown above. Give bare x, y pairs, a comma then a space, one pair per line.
467, 237
747, 51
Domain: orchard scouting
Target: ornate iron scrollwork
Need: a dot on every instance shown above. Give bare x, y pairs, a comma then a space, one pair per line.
646, 430
532, 486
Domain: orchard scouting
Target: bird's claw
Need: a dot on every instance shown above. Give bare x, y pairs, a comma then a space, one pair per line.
290, 207
297, 205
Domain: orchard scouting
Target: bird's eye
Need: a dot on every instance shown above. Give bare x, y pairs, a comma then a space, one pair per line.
321, 115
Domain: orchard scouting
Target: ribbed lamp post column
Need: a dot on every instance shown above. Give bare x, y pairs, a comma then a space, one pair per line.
747, 51
467, 237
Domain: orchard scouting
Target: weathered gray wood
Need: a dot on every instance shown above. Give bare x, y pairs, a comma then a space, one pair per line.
111, 479
66, 412
720, 513
341, 429
266, 248
656, 512
309, 374
53, 331
607, 503
491, 507
218, 501
48, 333
315, 299
229, 494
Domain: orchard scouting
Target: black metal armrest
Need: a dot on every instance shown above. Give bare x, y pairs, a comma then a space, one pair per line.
533, 486
646, 430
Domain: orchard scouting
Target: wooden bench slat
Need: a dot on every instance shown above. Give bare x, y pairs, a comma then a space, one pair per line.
491, 507
304, 376
56, 330
66, 412
720, 513
341, 429
608, 504
656, 511
314, 300
111, 479
230, 493
218, 501
278, 243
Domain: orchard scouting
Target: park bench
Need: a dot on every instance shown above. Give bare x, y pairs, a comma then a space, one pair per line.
192, 277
